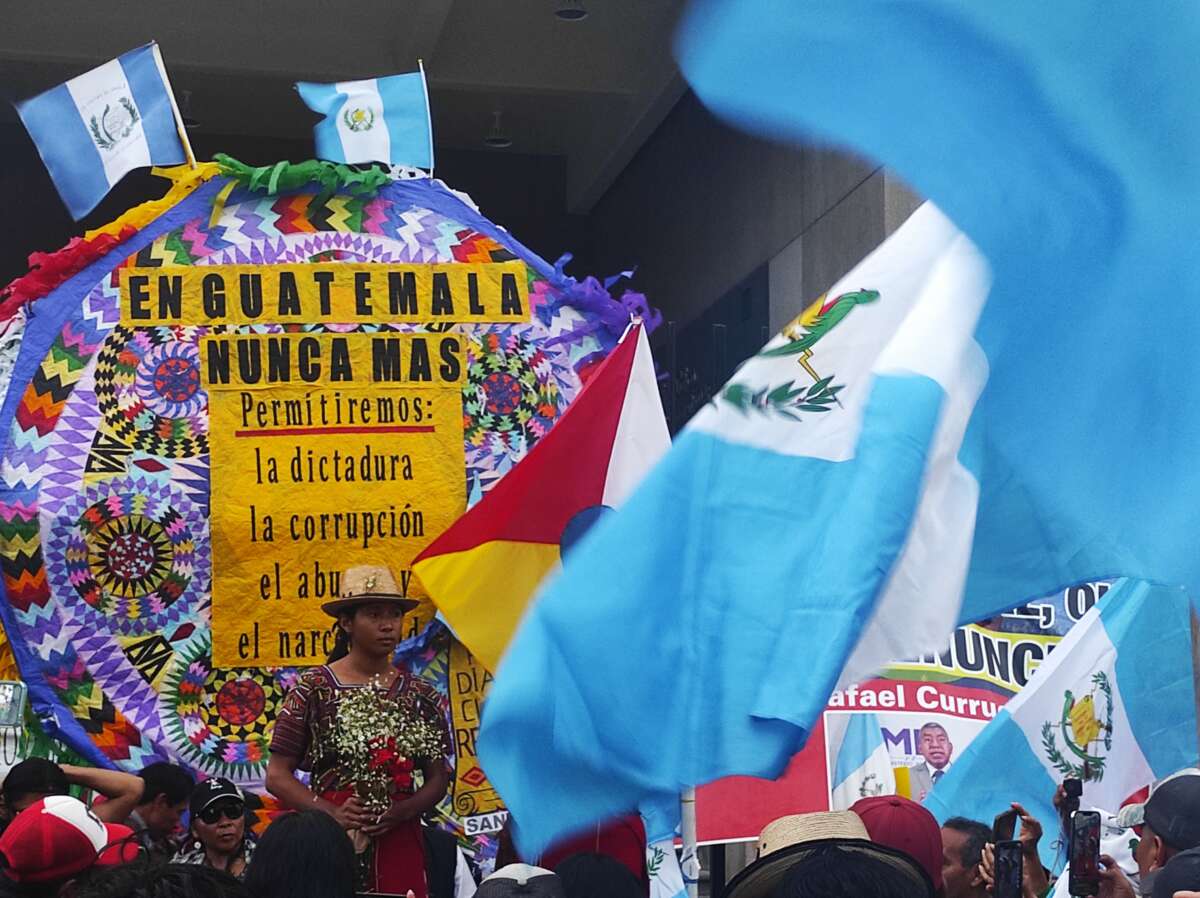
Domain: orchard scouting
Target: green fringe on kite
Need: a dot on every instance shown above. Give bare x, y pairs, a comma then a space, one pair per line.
287, 177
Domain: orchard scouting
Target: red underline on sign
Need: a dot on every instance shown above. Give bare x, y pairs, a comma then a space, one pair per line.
319, 431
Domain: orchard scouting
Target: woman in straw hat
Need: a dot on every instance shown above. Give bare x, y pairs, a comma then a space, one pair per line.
355, 689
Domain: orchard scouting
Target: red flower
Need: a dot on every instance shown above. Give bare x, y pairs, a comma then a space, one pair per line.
382, 758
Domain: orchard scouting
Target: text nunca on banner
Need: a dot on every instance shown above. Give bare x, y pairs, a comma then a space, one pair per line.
328, 451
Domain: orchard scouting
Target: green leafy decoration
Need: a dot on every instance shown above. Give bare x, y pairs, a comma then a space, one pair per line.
101, 141
654, 864
134, 118
1053, 755
1100, 681
786, 400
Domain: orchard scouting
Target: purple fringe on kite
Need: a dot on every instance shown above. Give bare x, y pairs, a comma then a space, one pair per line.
608, 317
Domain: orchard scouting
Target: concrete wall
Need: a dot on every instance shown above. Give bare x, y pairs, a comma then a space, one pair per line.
702, 206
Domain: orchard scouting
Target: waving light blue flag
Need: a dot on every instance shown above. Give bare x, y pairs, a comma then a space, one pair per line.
1116, 692
373, 120
99, 126
761, 563
864, 767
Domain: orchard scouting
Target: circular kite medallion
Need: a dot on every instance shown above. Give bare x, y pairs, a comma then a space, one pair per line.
515, 391
149, 393
129, 556
220, 719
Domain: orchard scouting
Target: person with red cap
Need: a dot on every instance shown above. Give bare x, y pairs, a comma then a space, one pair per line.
900, 823
54, 841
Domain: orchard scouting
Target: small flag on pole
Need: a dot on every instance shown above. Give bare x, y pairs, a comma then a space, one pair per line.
376, 120
864, 768
1114, 706
96, 128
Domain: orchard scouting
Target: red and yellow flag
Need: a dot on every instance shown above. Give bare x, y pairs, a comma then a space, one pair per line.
482, 572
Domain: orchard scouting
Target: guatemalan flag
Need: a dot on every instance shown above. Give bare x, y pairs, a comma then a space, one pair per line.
742, 574
483, 571
906, 456
863, 767
98, 127
1113, 705
374, 120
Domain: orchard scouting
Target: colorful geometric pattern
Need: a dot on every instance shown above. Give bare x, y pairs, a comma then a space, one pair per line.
130, 555
220, 720
104, 473
148, 390
514, 393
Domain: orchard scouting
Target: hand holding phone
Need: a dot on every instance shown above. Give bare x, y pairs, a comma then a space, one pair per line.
1008, 860
1084, 854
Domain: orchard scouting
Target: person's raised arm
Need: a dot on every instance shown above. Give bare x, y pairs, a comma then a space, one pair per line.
122, 791
282, 783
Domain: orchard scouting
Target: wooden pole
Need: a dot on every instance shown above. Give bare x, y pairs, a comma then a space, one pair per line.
183, 138
1195, 620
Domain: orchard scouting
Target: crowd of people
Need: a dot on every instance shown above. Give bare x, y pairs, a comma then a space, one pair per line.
131, 843
892, 847
160, 834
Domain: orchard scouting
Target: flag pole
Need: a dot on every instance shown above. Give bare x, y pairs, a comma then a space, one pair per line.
183, 138
428, 113
1195, 627
690, 862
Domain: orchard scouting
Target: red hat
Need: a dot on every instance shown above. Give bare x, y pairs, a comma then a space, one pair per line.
57, 837
900, 823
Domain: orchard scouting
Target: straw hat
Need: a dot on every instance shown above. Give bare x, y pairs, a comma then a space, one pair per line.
787, 841
368, 583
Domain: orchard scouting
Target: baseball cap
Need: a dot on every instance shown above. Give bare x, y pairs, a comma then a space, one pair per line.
898, 822
1173, 812
211, 791
521, 881
58, 837
1182, 872
1135, 814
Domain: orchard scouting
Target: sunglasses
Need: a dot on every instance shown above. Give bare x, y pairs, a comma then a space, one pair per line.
230, 810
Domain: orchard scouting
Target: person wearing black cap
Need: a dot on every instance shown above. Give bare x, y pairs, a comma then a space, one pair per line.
1172, 825
218, 828
1181, 873
1167, 824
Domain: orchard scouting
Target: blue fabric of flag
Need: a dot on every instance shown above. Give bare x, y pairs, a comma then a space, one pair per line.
1153, 650
862, 738
66, 148
84, 161
327, 100
406, 112
1146, 732
154, 105
1063, 143
394, 128
713, 625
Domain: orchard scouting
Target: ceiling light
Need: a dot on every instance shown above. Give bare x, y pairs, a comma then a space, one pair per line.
571, 10
497, 138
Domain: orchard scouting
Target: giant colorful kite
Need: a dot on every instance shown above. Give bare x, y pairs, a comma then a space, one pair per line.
106, 537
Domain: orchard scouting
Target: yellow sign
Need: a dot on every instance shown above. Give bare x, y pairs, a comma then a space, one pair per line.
328, 451
476, 803
329, 293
